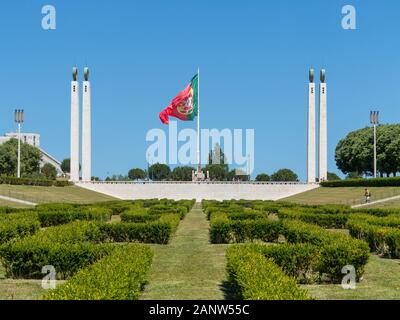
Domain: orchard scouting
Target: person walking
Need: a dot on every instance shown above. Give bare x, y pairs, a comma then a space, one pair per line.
367, 195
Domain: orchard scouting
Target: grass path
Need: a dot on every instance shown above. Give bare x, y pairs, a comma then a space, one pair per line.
189, 268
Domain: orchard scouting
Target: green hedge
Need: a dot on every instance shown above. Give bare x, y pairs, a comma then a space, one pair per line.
255, 277
324, 220
337, 249
300, 261
225, 230
68, 248
18, 225
118, 276
62, 216
159, 231
382, 240
33, 182
378, 182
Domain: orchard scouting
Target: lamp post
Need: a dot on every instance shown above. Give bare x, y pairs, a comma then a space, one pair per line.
19, 118
374, 119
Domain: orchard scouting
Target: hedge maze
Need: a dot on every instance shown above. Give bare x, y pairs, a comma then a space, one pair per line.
272, 248
99, 258
276, 246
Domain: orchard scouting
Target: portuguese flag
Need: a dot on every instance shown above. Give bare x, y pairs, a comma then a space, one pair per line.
184, 106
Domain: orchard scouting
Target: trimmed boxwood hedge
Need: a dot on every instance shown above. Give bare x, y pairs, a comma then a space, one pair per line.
159, 231
34, 182
68, 248
376, 182
226, 230
63, 216
118, 276
337, 249
382, 240
18, 225
254, 277
324, 220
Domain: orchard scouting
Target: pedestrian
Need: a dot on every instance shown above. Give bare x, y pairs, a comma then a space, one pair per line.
367, 195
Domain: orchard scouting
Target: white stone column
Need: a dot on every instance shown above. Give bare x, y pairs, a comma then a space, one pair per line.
311, 140
74, 156
323, 130
86, 130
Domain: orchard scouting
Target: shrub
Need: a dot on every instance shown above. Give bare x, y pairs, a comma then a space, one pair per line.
337, 250
68, 248
151, 232
382, 240
378, 182
33, 182
63, 216
255, 277
300, 261
18, 225
225, 230
167, 209
324, 220
118, 276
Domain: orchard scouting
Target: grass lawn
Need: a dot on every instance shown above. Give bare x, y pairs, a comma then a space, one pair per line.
72, 194
189, 267
345, 195
5, 203
381, 282
388, 204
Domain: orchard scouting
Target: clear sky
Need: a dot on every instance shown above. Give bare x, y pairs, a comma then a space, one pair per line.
254, 57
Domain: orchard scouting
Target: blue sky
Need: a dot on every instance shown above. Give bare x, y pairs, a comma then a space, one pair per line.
254, 57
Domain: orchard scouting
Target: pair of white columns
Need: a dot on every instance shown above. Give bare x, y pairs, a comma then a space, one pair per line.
86, 129
323, 131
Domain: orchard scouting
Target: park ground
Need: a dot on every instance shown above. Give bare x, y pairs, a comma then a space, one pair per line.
190, 267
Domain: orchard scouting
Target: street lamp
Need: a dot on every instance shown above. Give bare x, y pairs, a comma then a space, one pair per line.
374, 119
19, 118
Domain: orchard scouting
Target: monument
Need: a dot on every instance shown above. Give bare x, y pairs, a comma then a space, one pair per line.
86, 130
323, 130
74, 164
311, 144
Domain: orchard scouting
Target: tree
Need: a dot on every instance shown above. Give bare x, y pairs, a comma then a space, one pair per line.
49, 171
217, 172
159, 172
66, 165
182, 174
284, 175
263, 177
137, 174
355, 153
333, 176
354, 175
30, 158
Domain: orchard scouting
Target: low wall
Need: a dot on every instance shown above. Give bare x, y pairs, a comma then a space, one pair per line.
198, 191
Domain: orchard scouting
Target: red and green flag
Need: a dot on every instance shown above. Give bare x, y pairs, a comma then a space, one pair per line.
185, 104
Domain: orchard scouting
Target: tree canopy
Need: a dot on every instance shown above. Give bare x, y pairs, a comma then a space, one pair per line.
137, 174
159, 172
355, 153
49, 171
30, 158
182, 174
284, 175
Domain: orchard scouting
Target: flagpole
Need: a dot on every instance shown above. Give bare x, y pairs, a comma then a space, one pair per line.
198, 122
